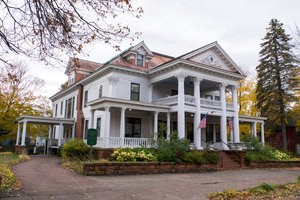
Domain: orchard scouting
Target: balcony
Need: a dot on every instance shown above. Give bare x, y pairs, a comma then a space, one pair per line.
190, 100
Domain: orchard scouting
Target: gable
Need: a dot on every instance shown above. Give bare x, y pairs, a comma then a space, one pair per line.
214, 56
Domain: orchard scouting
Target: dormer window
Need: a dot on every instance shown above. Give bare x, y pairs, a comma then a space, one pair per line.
140, 58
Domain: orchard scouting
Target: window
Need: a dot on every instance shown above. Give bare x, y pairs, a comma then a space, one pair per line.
55, 113
69, 110
100, 91
135, 92
86, 97
217, 98
98, 126
61, 107
140, 60
133, 127
86, 127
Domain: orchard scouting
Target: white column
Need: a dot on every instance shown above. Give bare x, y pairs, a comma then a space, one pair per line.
92, 125
181, 111
18, 134
236, 127
24, 133
168, 125
223, 125
262, 130
254, 130
150, 92
197, 116
155, 128
107, 126
50, 134
122, 126
73, 130
60, 134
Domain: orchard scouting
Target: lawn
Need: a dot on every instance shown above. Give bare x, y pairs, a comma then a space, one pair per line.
7, 177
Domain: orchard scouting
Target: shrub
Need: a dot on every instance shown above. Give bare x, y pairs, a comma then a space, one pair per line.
259, 152
75, 150
173, 150
201, 157
194, 157
138, 154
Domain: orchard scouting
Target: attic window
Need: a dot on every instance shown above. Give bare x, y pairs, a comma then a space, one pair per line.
211, 59
140, 60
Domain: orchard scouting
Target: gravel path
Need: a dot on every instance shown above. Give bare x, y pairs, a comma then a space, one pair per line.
43, 178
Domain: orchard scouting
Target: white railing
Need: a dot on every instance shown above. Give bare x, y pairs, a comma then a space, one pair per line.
138, 142
210, 103
170, 100
114, 142
229, 106
188, 99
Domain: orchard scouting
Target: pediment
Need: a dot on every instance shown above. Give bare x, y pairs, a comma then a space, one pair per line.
214, 56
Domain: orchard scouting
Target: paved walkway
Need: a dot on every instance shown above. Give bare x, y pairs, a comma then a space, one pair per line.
43, 178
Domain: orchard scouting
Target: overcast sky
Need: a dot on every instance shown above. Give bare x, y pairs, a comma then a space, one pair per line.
174, 27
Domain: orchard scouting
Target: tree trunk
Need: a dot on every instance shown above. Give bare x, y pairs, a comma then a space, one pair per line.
283, 130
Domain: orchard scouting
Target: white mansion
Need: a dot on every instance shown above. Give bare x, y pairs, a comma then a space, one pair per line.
128, 97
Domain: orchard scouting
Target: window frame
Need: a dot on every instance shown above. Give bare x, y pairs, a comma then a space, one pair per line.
133, 93
85, 98
140, 60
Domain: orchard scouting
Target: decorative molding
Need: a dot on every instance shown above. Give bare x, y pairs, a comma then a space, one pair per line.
197, 80
181, 76
113, 80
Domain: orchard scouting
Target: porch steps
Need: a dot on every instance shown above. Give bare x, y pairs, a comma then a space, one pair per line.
232, 160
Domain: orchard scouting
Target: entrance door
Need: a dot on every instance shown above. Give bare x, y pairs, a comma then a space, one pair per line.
190, 131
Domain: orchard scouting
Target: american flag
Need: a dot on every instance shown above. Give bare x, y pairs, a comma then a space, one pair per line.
202, 123
230, 123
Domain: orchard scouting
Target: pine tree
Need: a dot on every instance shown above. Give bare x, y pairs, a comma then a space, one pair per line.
276, 76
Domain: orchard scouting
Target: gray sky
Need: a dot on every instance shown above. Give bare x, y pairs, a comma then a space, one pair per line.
174, 27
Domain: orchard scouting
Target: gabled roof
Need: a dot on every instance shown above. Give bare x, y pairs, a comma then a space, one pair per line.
215, 46
76, 63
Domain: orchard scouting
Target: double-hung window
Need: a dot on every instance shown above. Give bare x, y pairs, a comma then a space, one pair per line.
140, 60
135, 92
86, 97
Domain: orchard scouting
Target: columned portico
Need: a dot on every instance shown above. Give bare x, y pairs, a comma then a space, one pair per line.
223, 124
18, 134
122, 125
155, 128
236, 128
197, 116
24, 133
168, 125
92, 124
107, 126
181, 111
262, 132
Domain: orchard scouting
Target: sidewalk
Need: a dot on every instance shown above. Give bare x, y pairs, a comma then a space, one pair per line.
43, 178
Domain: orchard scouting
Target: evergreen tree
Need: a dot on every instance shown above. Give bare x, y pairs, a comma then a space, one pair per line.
276, 74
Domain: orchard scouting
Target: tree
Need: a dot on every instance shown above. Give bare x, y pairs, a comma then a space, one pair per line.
276, 74
44, 28
17, 97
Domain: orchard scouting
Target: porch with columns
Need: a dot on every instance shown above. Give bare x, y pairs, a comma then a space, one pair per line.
23, 121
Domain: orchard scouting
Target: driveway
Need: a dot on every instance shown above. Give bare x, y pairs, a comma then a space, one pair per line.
43, 178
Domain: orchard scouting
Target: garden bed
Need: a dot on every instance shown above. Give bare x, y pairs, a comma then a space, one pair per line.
135, 168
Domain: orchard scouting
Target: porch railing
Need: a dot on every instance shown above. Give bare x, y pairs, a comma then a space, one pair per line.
116, 142
190, 100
